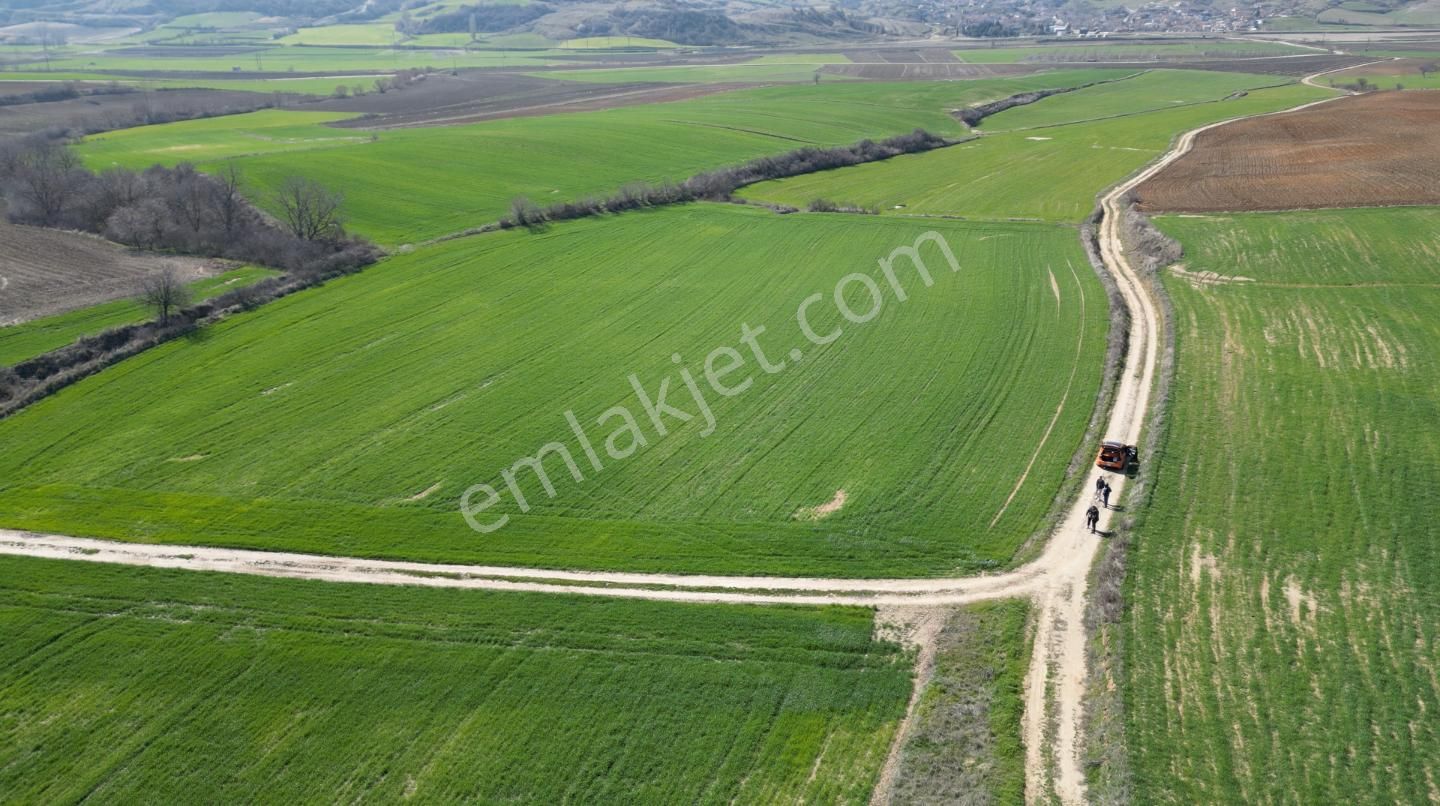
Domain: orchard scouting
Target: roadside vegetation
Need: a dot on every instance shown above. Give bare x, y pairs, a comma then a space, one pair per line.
1282, 627
964, 745
131, 684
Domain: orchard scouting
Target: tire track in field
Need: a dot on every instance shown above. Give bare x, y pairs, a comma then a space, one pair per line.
1059, 409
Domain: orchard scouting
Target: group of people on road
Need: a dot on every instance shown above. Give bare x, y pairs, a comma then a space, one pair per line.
1102, 497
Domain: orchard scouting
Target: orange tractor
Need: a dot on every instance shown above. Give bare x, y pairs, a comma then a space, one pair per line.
1116, 456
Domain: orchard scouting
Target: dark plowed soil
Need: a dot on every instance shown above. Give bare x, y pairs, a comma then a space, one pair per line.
1367, 150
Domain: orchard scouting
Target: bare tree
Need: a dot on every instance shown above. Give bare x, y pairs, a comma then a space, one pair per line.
225, 198
1427, 68
310, 211
143, 224
189, 197
526, 213
164, 293
43, 182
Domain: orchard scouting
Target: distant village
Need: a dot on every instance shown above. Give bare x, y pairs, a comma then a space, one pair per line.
1083, 20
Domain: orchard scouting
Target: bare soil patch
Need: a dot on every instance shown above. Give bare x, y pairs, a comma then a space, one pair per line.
1367, 150
45, 271
444, 100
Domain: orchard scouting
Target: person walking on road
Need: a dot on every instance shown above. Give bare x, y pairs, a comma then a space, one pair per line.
1105, 495
1099, 485
1092, 518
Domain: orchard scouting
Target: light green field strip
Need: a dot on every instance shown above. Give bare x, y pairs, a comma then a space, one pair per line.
280, 59
1119, 51
27, 340
218, 138
1283, 602
129, 684
1049, 174
313, 424
408, 185
1150, 91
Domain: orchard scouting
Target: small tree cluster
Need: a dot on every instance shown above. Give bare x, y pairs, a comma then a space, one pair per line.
174, 209
399, 81
827, 206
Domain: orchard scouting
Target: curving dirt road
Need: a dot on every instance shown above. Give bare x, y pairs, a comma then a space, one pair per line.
1057, 579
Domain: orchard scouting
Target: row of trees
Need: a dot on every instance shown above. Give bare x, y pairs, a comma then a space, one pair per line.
126, 108
720, 184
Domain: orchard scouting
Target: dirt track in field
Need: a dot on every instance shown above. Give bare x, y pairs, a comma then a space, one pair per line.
1362, 151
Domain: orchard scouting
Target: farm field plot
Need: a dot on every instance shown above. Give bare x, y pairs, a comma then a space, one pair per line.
476, 95
29, 339
364, 33
277, 60
1375, 149
929, 71
211, 139
1051, 175
1284, 610
1148, 91
1386, 75
126, 684
748, 72
45, 271
610, 42
408, 185
1125, 52
351, 420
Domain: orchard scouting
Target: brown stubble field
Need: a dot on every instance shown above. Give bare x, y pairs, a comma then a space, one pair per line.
1363, 151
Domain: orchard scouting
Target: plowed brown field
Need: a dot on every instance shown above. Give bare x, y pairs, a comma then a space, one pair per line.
46, 271
1367, 150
